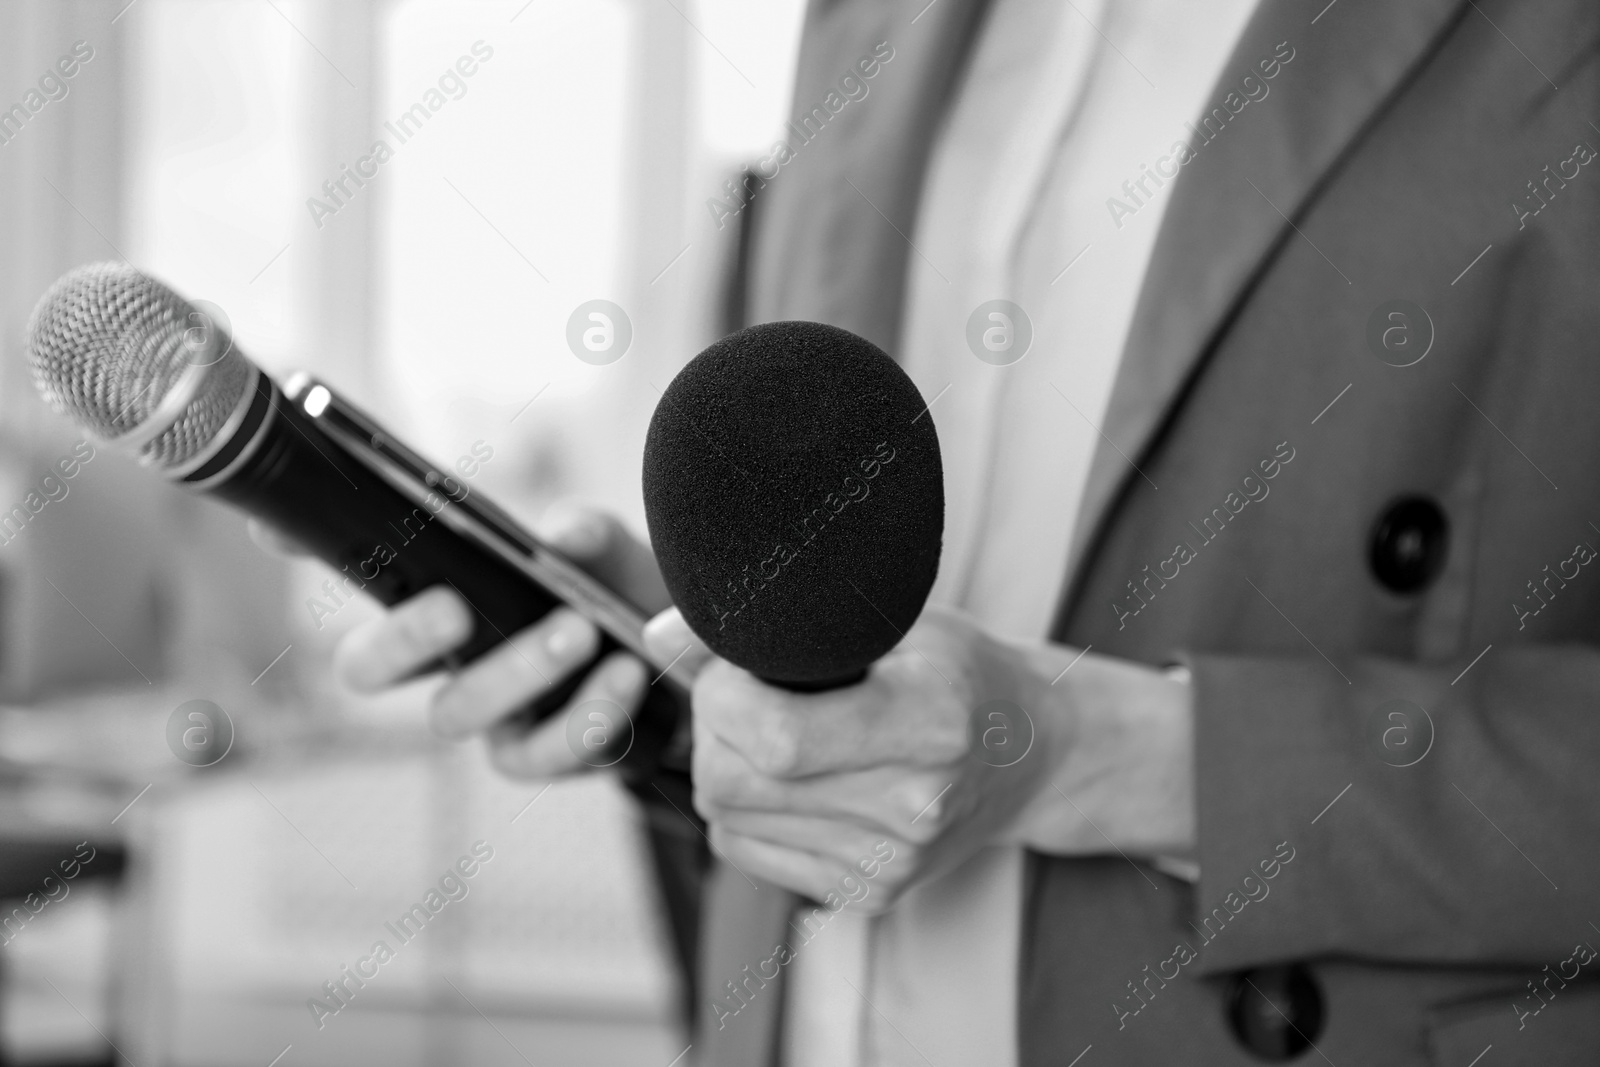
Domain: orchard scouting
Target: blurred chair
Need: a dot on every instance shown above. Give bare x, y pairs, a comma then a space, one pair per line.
24, 863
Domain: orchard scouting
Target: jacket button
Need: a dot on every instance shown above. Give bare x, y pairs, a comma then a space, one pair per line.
1275, 1012
1409, 543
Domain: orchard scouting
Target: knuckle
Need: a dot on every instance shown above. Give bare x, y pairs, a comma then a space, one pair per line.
712, 786
704, 807
496, 682
700, 759
949, 741
726, 781
708, 810
713, 699
447, 706
352, 662
567, 638
780, 750
505, 755
419, 628
924, 806
504, 763
718, 790
578, 530
908, 861
546, 652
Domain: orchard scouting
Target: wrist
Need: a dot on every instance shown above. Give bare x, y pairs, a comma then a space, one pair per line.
1120, 742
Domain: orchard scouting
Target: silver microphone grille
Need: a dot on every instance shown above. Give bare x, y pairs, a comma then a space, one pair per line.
109, 345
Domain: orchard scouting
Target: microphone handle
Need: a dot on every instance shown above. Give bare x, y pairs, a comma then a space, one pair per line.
280, 466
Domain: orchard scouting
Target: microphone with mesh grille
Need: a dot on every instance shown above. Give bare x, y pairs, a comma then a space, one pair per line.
795, 499
144, 371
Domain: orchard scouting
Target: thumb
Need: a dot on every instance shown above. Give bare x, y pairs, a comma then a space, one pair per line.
579, 532
669, 641
274, 543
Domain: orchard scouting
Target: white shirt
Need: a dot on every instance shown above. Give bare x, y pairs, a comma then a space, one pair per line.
1061, 104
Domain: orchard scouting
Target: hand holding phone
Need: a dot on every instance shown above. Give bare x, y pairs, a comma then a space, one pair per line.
485, 695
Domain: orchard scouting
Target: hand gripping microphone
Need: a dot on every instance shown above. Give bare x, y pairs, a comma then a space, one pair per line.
139, 368
795, 500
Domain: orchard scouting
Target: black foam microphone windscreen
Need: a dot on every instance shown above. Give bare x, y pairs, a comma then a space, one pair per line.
795, 501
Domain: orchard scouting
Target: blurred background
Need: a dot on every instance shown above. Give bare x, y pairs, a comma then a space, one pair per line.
195, 141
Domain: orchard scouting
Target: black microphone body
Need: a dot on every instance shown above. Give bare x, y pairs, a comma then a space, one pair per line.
145, 371
282, 468
113, 348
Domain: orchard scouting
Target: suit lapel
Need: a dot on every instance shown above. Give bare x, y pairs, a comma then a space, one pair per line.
834, 227
1231, 206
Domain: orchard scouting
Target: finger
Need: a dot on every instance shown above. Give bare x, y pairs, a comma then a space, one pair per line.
871, 871
799, 872
544, 751
842, 841
577, 531
514, 673
601, 544
412, 634
913, 805
272, 541
669, 640
903, 713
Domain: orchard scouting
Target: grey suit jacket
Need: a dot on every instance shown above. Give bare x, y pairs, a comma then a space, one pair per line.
1375, 564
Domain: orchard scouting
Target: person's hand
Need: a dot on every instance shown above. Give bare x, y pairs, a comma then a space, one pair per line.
799, 788
954, 741
482, 696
